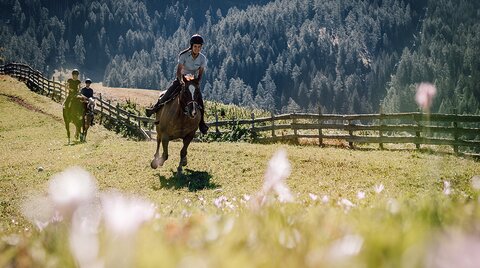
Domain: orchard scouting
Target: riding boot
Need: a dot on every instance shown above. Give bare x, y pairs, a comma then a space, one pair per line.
170, 91
202, 126
153, 109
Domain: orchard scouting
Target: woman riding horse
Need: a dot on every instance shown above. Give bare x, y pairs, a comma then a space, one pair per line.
191, 62
72, 107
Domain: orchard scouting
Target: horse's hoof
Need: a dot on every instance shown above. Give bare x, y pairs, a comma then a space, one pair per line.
179, 171
183, 162
154, 164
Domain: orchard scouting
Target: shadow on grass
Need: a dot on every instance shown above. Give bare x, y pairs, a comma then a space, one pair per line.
74, 143
193, 180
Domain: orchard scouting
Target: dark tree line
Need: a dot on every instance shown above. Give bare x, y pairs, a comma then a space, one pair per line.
446, 53
286, 55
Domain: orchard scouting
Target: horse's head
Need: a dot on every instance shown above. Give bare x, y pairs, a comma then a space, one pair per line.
188, 99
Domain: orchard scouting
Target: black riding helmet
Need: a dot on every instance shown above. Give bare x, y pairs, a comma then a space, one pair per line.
196, 39
88, 81
75, 71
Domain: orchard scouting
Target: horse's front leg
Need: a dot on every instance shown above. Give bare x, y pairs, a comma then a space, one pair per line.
158, 161
183, 152
78, 129
83, 131
67, 126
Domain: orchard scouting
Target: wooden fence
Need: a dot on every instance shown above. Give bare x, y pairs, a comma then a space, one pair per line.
460, 132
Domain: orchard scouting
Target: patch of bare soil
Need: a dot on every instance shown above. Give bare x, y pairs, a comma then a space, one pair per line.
29, 106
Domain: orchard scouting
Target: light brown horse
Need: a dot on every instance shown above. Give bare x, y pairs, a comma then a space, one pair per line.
178, 118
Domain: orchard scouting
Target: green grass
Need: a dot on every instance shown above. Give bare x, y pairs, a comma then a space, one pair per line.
396, 227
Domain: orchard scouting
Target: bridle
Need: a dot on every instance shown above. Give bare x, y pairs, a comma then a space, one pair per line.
191, 88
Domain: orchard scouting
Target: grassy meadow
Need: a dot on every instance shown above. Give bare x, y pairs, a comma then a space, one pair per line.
351, 208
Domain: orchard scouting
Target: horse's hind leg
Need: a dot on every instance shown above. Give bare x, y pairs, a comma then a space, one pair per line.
183, 152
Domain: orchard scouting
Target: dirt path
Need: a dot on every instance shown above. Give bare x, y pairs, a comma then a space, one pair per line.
29, 106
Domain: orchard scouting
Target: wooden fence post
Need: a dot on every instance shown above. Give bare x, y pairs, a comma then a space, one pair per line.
320, 134
350, 133
273, 123
101, 107
455, 132
294, 122
380, 132
110, 109
252, 130
217, 132
53, 94
117, 109
49, 93
417, 133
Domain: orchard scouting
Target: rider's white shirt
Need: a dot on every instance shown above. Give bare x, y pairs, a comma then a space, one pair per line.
190, 65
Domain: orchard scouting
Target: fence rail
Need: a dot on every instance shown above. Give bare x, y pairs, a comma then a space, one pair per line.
461, 132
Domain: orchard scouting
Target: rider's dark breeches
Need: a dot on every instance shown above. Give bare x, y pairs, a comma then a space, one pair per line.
170, 92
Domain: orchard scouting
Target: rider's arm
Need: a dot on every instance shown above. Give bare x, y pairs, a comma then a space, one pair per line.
179, 73
200, 74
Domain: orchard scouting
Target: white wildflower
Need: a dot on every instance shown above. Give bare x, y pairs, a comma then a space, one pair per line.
71, 188
124, 215
325, 199
348, 246
314, 197
447, 190
361, 195
378, 188
476, 182
218, 202
84, 241
393, 206
277, 172
346, 204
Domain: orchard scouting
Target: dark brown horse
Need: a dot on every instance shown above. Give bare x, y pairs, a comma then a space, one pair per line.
74, 112
178, 118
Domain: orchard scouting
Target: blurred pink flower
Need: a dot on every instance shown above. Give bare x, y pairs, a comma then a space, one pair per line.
425, 94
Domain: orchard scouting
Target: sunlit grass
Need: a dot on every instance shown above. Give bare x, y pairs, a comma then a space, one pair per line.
204, 219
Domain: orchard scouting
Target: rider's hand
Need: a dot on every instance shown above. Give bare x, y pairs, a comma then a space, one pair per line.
182, 82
